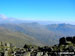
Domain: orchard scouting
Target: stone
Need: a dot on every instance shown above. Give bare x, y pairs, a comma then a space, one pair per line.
39, 53
6, 53
27, 54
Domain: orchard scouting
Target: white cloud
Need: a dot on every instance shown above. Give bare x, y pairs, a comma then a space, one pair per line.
3, 17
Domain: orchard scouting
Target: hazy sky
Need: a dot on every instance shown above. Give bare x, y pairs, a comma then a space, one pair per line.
53, 10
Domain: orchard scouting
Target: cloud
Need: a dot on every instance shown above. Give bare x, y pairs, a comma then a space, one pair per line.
3, 17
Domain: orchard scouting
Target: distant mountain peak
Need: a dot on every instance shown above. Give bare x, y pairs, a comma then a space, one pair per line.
35, 23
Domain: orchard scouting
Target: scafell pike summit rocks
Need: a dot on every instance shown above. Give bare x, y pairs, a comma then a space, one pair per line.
65, 47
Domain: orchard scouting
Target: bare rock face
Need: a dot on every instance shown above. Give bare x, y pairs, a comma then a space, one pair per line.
62, 40
73, 40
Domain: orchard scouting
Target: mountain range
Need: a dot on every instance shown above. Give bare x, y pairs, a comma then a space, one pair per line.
34, 33
20, 32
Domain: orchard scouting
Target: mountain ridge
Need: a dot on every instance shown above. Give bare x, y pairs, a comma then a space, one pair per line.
40, 34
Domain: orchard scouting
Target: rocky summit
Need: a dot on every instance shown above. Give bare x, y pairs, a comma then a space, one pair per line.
66, 47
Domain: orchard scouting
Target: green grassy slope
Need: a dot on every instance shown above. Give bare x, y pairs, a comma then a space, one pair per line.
17, 38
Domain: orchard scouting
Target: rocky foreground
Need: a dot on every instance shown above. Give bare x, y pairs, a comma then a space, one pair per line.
66, 47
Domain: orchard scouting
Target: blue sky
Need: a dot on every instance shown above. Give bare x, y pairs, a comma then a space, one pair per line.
53, 10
